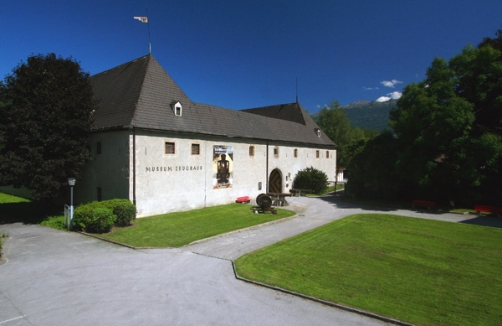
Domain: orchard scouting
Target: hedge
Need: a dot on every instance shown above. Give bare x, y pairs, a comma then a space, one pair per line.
123, 208
99, 217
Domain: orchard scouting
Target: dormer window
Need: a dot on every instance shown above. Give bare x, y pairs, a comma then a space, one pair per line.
177, 108
318, 132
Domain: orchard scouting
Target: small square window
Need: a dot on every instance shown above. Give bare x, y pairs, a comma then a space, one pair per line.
98, 147
169, 148
195, 149
251, 150
276, 151
316, 154
327, 154
296, 152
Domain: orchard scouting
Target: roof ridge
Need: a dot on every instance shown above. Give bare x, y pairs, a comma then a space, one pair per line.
149, 56
120, 65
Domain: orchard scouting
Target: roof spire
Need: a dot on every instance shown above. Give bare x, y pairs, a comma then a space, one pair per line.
296, 89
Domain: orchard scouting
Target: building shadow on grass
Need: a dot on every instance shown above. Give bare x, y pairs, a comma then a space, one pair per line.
26, 212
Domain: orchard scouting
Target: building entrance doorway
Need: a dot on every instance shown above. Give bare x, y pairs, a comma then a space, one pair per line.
275, 181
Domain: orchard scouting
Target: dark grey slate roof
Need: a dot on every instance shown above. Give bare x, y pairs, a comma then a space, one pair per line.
140, 93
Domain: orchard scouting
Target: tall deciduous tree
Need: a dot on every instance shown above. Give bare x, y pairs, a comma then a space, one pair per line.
46, 115
449, 126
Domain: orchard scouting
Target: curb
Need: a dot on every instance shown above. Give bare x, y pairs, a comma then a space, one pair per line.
92, 235
328, 303
244, 229
118, 243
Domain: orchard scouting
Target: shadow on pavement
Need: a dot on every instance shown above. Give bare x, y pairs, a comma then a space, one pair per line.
26, 212
339, 202
490, 220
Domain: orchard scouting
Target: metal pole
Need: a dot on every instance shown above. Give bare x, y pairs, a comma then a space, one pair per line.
71, 209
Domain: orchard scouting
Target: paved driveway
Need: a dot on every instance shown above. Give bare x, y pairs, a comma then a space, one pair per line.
61, 278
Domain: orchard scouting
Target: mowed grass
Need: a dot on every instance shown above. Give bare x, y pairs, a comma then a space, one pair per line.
419, 271
6, 198
179, 229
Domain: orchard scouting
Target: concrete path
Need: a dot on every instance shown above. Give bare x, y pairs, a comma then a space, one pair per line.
312, 212
61, 278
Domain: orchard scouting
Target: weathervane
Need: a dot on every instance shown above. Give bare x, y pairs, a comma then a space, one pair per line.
144, 19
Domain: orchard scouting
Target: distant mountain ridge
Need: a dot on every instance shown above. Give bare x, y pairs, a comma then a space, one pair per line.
368, 114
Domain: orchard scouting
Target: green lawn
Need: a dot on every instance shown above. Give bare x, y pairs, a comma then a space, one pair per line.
5, 198
419, 271
179, 229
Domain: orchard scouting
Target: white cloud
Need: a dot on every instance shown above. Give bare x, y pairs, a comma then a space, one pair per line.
383, 99
394, 96
391, 83
369, 88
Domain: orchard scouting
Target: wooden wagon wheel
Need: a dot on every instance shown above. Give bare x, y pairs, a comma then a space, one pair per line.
266, 202
259, 198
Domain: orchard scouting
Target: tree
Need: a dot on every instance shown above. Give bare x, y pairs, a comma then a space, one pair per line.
449, 127
495, 43
373, 170
47, 104
311, 178
349, 140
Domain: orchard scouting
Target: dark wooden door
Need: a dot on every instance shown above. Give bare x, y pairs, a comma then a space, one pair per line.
275, 182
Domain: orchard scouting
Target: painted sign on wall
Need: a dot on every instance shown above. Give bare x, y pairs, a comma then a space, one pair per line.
223, 166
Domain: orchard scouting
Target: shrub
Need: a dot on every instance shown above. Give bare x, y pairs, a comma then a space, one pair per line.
102, 220
123, 209
82, 216
55, 222
2, 235
311, 178
93, 217
86, 219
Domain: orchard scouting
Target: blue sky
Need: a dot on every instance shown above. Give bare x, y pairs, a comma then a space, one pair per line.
248, 53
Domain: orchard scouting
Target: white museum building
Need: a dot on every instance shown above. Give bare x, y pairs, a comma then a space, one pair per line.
150, 143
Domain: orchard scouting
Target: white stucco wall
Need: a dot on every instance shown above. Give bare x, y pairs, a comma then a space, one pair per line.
182, 181
289, 165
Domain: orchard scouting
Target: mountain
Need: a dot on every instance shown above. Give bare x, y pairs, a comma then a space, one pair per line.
368, 115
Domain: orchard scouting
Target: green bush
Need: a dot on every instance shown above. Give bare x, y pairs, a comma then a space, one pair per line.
55, 222
93, 217
86, 219
102, 220
123, 208
311, 178
82, 216
2, 235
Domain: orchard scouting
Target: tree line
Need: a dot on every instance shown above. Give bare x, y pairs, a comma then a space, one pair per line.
445, 141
